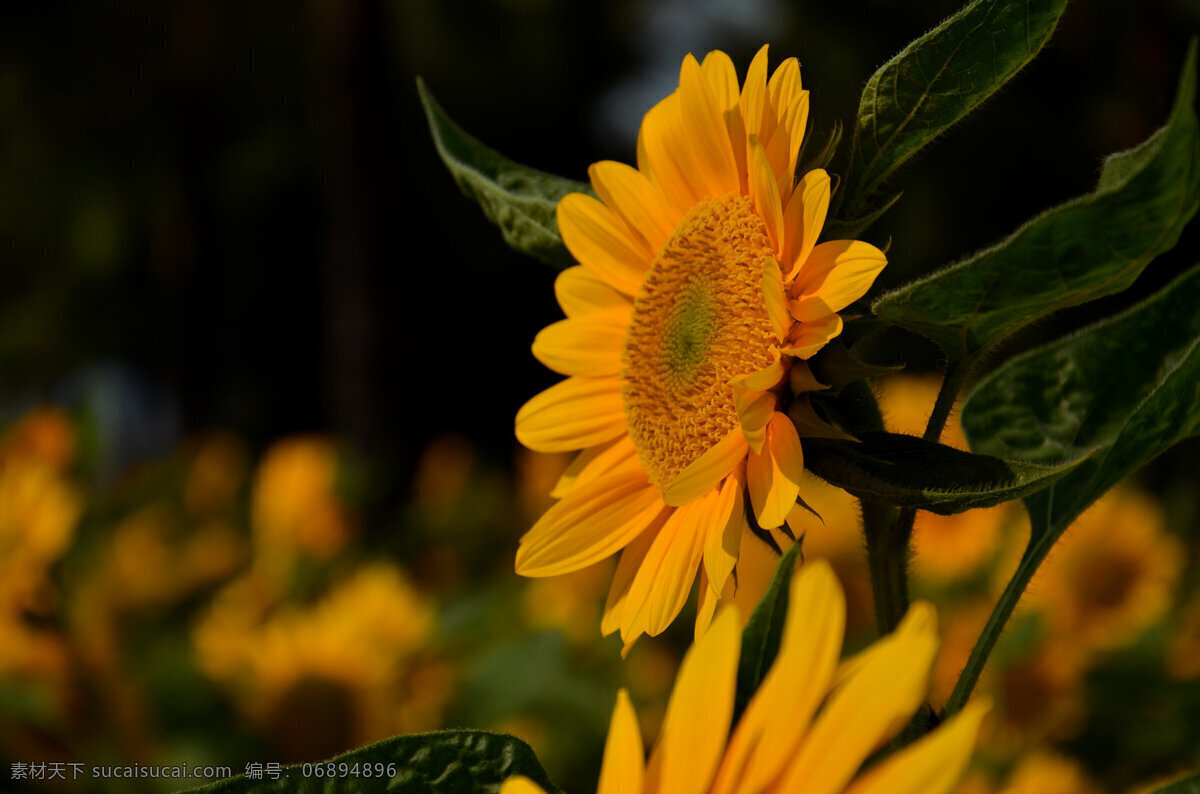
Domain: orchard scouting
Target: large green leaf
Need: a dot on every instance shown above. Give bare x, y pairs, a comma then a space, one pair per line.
911, 472
760, 640
937, 80
1127, 388
519, 200
444, 762
1092, 246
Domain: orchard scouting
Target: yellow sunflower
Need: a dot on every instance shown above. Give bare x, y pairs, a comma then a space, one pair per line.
811, 724
700, 285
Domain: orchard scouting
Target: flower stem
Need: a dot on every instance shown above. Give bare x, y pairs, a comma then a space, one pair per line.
887, 558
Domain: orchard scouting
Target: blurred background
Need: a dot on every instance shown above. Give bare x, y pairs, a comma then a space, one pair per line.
259, 362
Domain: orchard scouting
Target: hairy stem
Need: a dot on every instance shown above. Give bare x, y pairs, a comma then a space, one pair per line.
887, 558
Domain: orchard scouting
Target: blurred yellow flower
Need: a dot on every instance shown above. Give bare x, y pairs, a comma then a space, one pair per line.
570, 603
810, 725
700, 285
1043, 772
1112, 574
354, 657
295, 504
907, 400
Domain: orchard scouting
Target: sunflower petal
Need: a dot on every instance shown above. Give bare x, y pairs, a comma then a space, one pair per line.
775, 298
722, 78
807, 338
580, 291
932, 765
662, 583
725, 531
710, 150
804, 218
624, 762
597, 237
754, 99
589, 345
706, 607
774, 476
764, 189
594, 521
754, 410
701, 706
836, 274
880, 696
612, 456
766, 378
660, 156
631, 560
519, 784
575, 414
635, 198
703, 474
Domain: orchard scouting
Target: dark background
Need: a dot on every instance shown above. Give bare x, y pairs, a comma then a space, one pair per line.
220, 214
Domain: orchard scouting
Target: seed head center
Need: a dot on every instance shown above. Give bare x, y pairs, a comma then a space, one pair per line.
698, 321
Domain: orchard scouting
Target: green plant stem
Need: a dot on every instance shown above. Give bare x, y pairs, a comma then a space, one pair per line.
1035, 552
887, 558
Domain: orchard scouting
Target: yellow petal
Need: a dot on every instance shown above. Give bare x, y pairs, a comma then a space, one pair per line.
698, 714
807, 338
784, 85
589, 345
631, 560
754, 410
592, 522
774, 476
706, 607
624, 762
662, 583
617, 455
703, 474
714, 172
879, 697
575, 414
580, 291
795, 686
722, 78
835, 275
764, 189
804, 218
754, 99
766, 378
520, 785
784, 146
661, 156
932, 765
635, 198
597, 237
725, 527
775, 298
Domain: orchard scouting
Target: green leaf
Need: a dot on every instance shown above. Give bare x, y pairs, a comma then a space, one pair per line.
1092, 246
760, 640
519, 200
910, 472
937, 80
1128, 387
1186, 785
443, 762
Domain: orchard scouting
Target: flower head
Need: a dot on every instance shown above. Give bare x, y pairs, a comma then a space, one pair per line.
700, 285
810, 725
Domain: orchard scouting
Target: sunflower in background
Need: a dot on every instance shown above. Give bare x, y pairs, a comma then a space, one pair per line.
700, 285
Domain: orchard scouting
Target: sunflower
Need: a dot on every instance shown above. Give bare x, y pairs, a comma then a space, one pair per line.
700, 285
810, 725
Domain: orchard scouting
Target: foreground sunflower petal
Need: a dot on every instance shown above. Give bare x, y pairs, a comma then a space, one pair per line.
701, 283
806, 729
